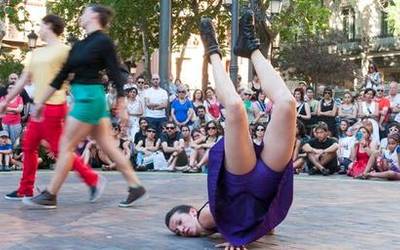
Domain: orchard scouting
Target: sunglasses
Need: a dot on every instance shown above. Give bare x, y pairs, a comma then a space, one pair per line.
260, 129
169, 128
182, 92
151, 131
247, 94
208, 128
379, 90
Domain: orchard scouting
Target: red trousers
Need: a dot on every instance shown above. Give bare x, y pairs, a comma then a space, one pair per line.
48, 129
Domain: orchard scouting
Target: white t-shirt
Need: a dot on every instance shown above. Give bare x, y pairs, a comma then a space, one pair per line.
394, 101
155, 96
392, 158
345, 146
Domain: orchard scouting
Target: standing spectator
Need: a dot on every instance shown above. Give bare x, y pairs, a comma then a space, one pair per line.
302, 107
363, 154
11, 121
348, 110
140, 85
321, 151
373, 77
369, 110
383, 106
246, 95
130, 82
213, 107
198, 99
327, 111
313, 103
201, 117
156, 102
261, 109
394, 98
135, 111
182, 108
5, 151
173, 147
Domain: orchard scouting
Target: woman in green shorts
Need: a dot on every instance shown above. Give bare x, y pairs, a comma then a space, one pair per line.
89, 115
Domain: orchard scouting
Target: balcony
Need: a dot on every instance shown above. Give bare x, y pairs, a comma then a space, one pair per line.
349, 48
384, 44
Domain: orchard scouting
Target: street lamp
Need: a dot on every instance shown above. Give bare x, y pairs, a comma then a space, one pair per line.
274, 8
233, 7
32, 39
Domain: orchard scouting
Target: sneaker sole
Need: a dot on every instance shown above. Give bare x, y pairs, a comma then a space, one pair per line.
13, 198
102, 187
28, 202
138, 201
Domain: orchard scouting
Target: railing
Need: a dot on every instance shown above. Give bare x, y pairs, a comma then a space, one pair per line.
349, 48
381, 44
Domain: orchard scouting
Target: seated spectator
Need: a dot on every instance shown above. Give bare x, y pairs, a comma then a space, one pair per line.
369, 110
348, 110
96, 158
363, 154
124, 140
299, 156
202, 145
389, 167
346, 144
173, 147
5, 151
321, 151
141, 134
201, 117
146, 149
393, 128
262, 109
187, 140
383, 105
343, 127
182, 108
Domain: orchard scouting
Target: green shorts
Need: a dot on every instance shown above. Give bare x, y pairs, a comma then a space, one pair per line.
89, 103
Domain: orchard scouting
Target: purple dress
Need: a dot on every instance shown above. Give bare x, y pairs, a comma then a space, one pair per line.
246, 207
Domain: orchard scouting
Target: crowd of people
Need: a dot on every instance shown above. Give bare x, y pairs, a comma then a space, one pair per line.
356, 134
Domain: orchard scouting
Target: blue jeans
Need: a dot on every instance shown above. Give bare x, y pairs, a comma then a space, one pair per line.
14, 131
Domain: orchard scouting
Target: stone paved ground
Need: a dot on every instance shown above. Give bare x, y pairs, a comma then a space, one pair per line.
328, 213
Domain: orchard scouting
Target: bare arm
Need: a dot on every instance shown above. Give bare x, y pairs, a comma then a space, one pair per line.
19, 86
332, 149
296, 150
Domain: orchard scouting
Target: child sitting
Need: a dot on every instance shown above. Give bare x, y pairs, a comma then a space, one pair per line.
5, 151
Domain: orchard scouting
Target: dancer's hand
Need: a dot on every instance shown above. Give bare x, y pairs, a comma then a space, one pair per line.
3, 107
37, 112
228, 246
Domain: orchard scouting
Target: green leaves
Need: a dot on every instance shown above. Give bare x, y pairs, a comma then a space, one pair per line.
394, 16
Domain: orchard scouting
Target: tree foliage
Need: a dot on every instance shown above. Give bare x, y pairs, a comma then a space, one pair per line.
393, 11
314, 59
9, 64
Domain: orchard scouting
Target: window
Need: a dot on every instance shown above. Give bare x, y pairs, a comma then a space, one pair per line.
349, 23
385, 29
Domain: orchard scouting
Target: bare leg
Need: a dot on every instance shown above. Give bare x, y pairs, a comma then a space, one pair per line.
280, 134
390, 175
204, 159
238, 160
326, 158
102, 135
314, 158
74, 132
371, 162
7, 159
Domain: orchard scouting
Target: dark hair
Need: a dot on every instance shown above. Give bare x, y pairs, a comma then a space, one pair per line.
140, 77
185, 126
195, 130
210, 88
194, 94
56, 23
349, 93
182, 209
340, 132
321, 125
370, 89
256, 125
143, 119
394, 124
130, 89
258, 93
217, 125
310, 88
302, 129
105, 13
395, 137
373, 65
301, 92
199, 107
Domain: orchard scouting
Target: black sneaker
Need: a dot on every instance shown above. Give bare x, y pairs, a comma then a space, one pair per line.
325, 172
247, 41
208, 37
97, 191
342, 170
14, 196
134, 195
43, 200
312, 171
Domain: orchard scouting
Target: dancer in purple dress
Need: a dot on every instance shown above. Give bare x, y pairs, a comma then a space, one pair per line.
250, 189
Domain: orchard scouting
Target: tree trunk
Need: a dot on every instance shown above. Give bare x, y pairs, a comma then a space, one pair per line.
146, 53
204, 75
179, 61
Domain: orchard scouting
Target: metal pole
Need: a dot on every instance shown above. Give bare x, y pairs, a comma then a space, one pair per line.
233, 69
165, 27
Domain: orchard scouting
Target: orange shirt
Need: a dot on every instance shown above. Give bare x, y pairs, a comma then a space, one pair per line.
383, 102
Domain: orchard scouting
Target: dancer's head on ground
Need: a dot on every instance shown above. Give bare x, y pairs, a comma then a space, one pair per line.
51, 26
182, 220
95, 17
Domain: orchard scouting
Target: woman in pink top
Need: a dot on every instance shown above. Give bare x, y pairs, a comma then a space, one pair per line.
11, 121
213, 108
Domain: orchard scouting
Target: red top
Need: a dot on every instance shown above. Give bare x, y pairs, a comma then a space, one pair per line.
383, 102
12, 118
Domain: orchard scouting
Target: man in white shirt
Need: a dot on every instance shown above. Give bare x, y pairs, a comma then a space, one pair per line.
156, 102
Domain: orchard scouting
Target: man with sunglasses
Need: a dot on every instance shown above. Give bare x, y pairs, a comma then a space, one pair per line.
140, 85
156, 102
173, 147
384, 105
